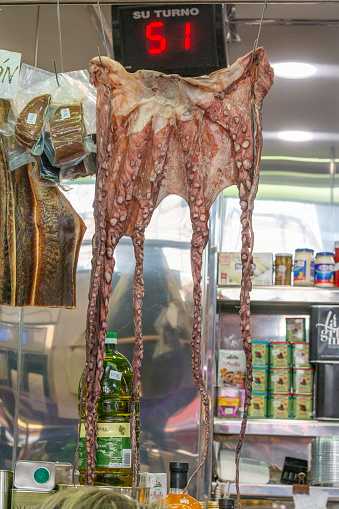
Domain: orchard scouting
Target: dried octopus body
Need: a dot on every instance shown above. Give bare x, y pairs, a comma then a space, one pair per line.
160, 135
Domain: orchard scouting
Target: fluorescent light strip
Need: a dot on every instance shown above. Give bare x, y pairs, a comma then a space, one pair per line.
294, 70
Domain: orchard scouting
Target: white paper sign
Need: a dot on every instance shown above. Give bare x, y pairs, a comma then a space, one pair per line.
31, 118
317, 500
9, 73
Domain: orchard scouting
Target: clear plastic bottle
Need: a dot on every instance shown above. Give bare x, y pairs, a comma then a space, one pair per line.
114, 458
177, 497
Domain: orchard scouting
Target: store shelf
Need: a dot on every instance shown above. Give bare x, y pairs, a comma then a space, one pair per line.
282, 294
275, 491
275, 427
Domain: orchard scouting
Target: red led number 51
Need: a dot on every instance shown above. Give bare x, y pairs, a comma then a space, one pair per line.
157, 43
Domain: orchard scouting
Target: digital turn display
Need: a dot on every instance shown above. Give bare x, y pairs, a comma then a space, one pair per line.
168, 38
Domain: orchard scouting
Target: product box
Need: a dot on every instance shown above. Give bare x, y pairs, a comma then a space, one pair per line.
280, 380
232, 368
230, 269
324, 334
260, 354
157, 484
280, 354
303, 381
258, 408
279, 406
259, 383
295, 329
302, 406
300, 355
228, 401
327, 391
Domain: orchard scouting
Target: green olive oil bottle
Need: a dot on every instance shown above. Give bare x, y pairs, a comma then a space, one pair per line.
114, 458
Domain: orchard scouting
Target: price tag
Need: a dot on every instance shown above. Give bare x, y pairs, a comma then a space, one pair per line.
9, 73
114, 375
65, 113
275, 378
31, 118
315, 501
276, 351
276, 403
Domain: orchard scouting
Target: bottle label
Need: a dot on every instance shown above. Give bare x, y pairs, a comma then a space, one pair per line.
114, 446
114, 375
300, 270
324, 273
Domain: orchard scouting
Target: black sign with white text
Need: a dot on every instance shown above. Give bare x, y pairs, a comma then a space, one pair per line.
324, 334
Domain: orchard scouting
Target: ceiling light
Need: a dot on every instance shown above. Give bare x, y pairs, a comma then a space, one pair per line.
294, 70
295, 136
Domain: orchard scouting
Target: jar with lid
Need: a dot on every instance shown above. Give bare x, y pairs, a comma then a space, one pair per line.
324, 269
283, 268
303, 267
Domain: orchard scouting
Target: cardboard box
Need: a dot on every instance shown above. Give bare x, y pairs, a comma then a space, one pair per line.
232, 368
157, 484
230, 269
324, 334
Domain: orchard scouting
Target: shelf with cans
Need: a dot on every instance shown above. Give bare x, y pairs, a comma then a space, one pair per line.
282, 386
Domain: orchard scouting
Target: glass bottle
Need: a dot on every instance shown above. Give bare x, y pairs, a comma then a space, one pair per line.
114, 458
177, 497
226, 503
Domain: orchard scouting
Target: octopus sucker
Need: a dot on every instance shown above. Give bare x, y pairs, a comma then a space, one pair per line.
191, 137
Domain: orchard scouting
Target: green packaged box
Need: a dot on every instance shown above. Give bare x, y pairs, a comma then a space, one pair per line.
259, 383
279, 380
260, 354
279, 406
258, 408
295, 329
303, 381
280, 354
302, 406
300, 355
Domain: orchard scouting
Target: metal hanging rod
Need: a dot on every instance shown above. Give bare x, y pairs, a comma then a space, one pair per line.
143, 2
283, 21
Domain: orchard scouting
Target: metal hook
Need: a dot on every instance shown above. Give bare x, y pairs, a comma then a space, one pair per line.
56, 74
99, 56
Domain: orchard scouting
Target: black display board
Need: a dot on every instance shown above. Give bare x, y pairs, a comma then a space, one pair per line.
324, 334
185, 39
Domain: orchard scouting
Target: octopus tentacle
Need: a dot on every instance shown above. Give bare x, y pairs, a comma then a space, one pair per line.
198, 243
138, 238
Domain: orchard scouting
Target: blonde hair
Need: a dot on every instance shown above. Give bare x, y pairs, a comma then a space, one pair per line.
89, 498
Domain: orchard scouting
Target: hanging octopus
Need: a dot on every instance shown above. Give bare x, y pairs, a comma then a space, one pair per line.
159, 135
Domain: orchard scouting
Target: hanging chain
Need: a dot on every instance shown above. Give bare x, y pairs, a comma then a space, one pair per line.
60, 41
102, 28
255, 45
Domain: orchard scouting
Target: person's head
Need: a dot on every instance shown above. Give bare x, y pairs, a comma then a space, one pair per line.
89, 498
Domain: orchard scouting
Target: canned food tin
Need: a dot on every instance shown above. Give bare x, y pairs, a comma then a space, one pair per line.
283, 268
303, 381
260, 354
295, 329
259, 383
280, 380
300, 355
302, 406
28, 499
324, 269
258, 406
279, 406
36, 475
303, 267
280, 354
